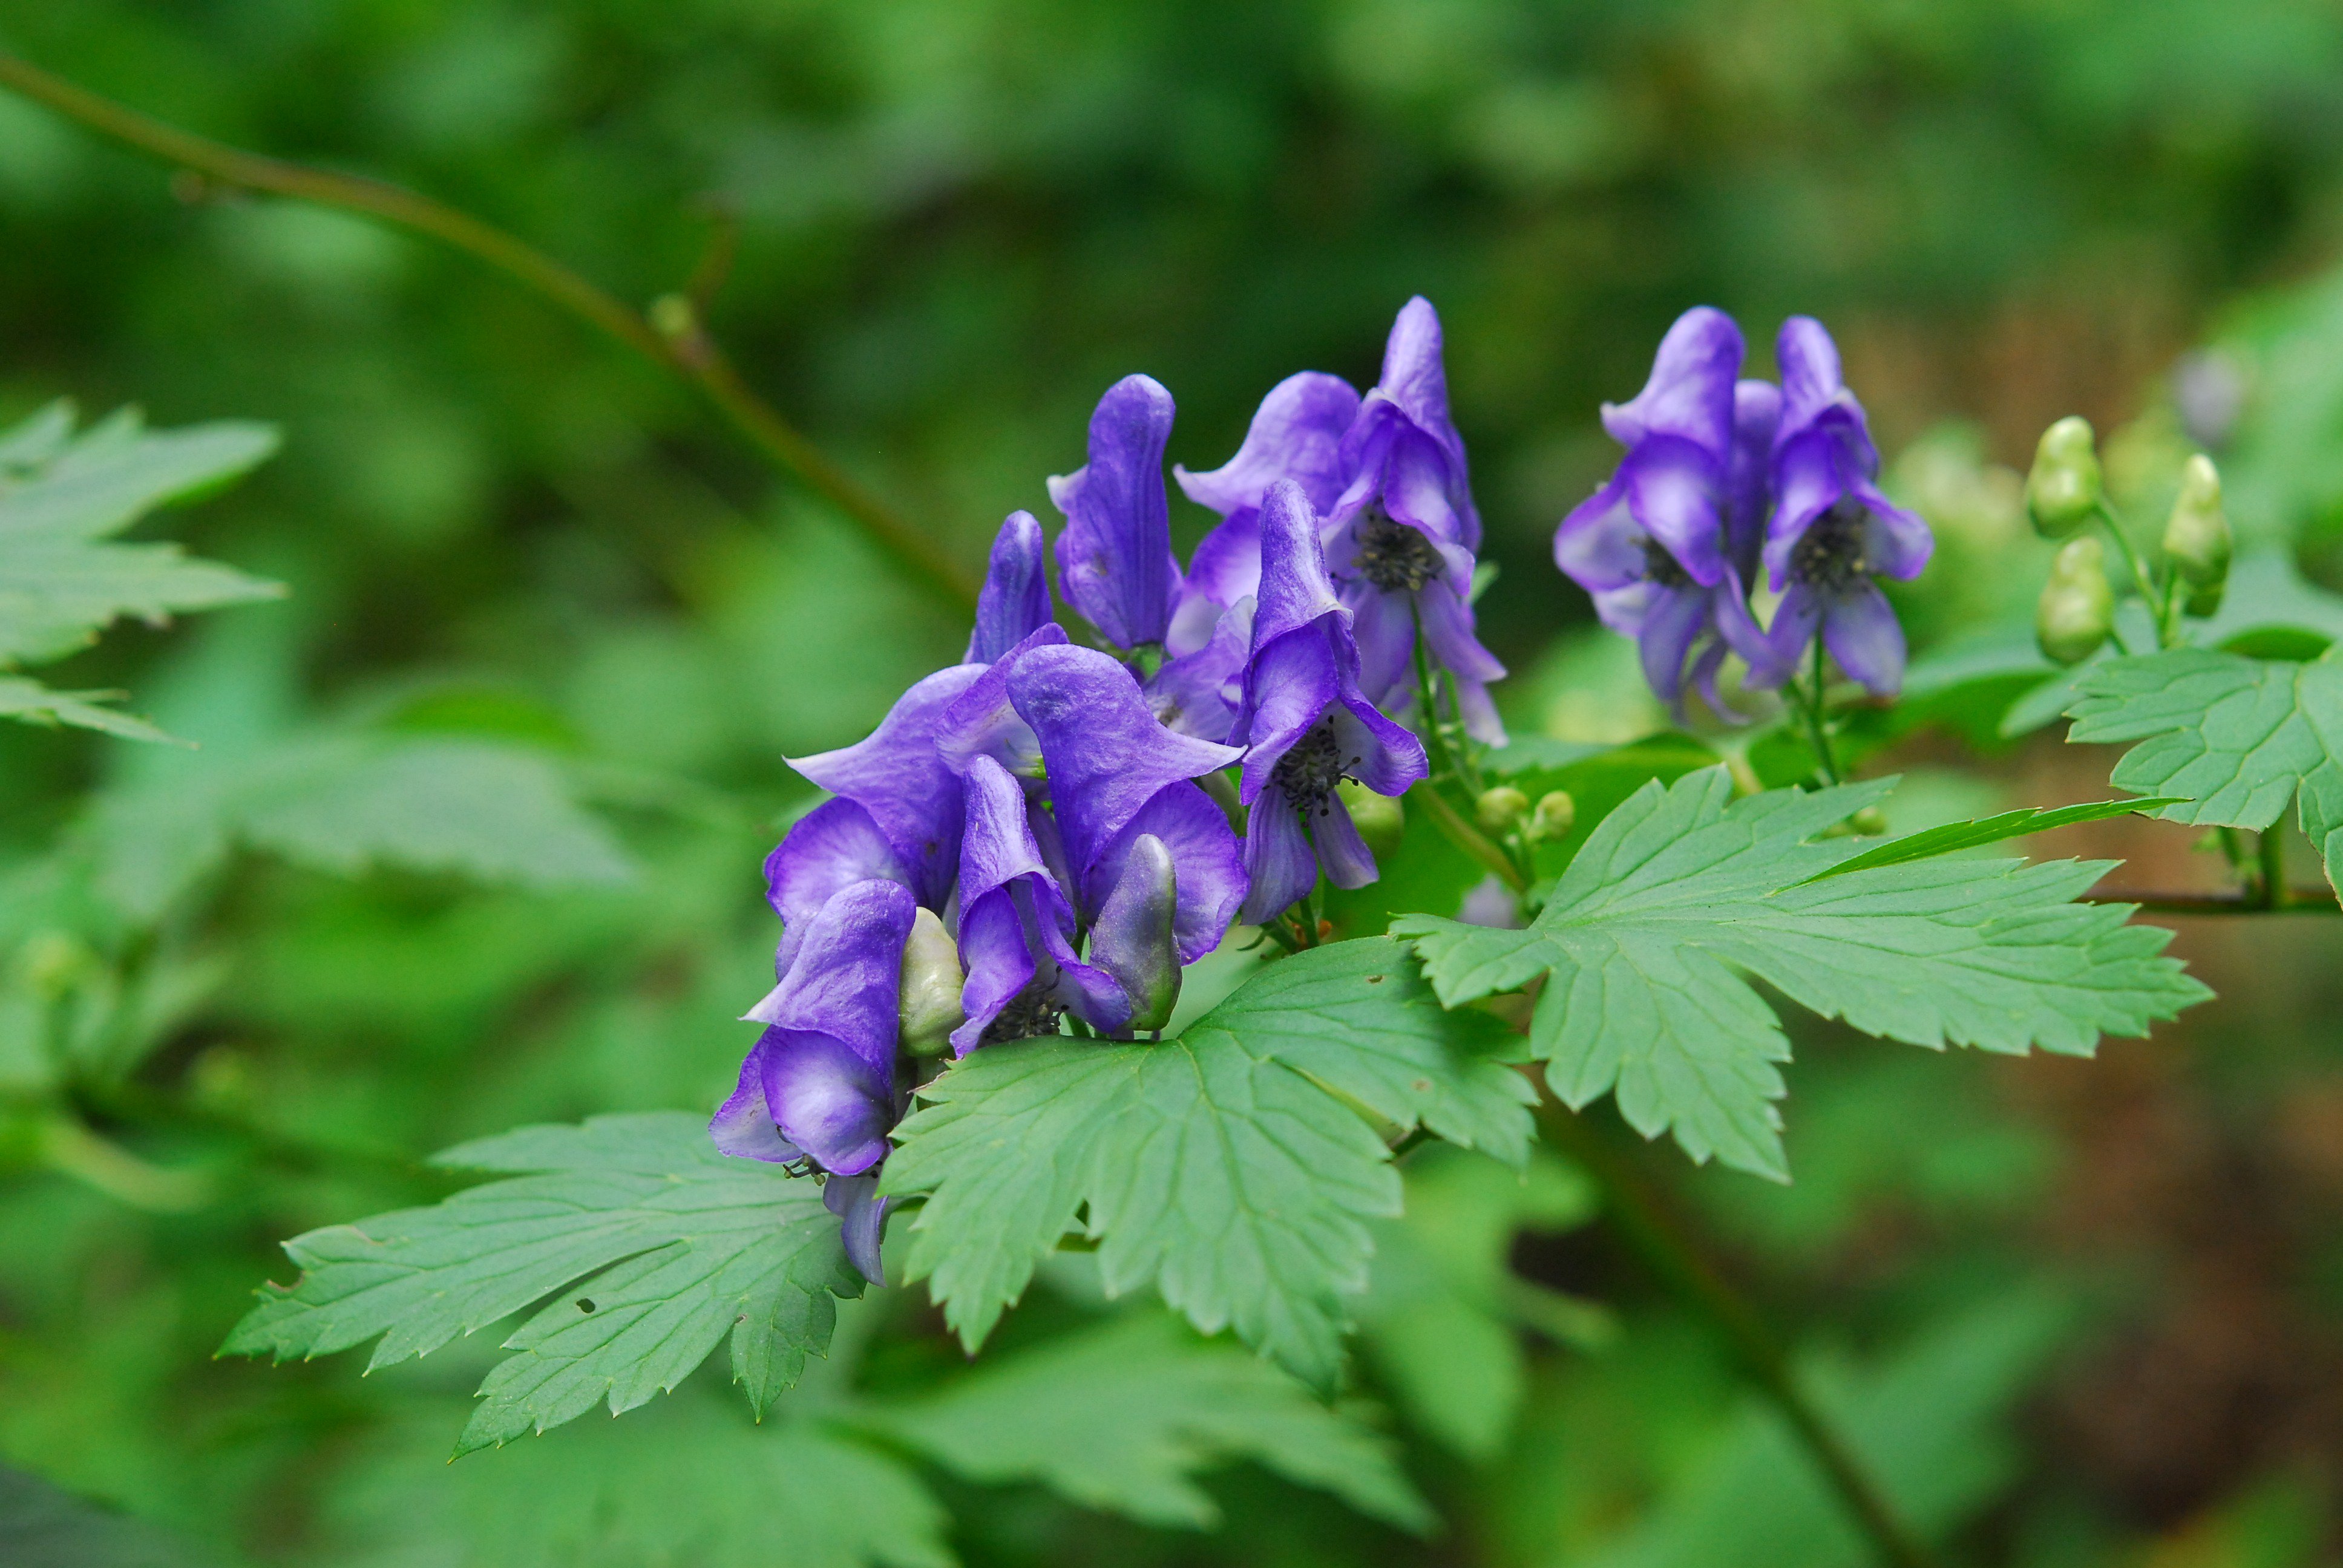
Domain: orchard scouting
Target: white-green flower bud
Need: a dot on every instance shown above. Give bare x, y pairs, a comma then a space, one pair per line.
2196, 537
931, 981
1378, 817
2079, 608
2064, 488
1555, 812
1501, 808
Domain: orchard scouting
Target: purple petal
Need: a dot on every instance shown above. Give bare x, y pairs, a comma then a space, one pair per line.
998, 846
1690, 393
1415, 379
980, 721
1296, 434
1278, 862
1294, 587
1290, 683
1205, 855
742, 1125
1114, 560
1226, 568
1448, 632
862, 1215
1808, 362
834, 846
1385, 756
1420, 488
1674, 489
1382, 629
1807, 483
999, 954
896, 776
1490, 903
1739, 630
1015, 601
1795, 620
1756, 415
828, 1101
1198, 693
1675, 619
1348, 862
1859, 628
1479, 712
1896, 542
847, 980
1600, 546
1133, 940
1106, 752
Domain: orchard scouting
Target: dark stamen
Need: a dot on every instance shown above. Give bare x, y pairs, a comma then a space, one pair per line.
1663, 569
1033, 1012
1830, 554
1394, 556
1309, 773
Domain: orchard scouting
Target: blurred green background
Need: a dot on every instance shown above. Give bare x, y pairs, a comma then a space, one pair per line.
2081, 1313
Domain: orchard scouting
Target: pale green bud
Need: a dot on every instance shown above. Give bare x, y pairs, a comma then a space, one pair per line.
2062, 491
1378, 817
1555, 814
1500, 808
1869, 822
2196, 536
2079, 608
931, 981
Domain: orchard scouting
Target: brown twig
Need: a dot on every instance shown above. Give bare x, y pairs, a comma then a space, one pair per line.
677, 343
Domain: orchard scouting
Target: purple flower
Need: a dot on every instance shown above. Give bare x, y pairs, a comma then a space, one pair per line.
1015, 601
1305, 723
821, 1083
1831, 530
1653, 545
900, 781
1114, 560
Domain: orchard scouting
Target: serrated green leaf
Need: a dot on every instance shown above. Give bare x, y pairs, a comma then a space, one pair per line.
1954, 836
2235, 738
688, 1481
1225, 1167
55, 595
33, 703
1683, 894
1120, 1416
115, 473
657, 1245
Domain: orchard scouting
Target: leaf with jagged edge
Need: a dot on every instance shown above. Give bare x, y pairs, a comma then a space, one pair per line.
652, 1246
32, 703
1951, 837
1684, 895
1120, 1416
1229, 1166
2237, 739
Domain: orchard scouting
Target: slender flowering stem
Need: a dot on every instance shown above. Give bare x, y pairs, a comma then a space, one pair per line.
1812, 703
670, 337
2141, 576
1466, 836
2271, 852
1666, 1244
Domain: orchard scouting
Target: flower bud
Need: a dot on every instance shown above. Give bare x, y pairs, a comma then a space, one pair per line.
931, 981
1501, 808
2063, 490
1378, 817
1869, 822
2079, 608
1135, 939
2196, 537
1555, 814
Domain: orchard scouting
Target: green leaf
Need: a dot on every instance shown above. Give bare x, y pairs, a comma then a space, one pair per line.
1443, 1316
1684, 894
688, 1481
1227, 1167
1955, 837
1120, 1416
658, 1246
347, 803
33, 703
2236, 739
59, 500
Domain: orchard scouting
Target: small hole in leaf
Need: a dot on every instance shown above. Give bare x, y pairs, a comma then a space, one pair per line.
584, 1304
1374, 980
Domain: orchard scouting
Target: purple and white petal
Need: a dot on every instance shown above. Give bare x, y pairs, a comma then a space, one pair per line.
1674, 489
834, 846
743, 1125
827, 1099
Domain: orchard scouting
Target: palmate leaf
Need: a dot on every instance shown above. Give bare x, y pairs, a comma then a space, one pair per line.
62, 498
1954, 836
1649, 941
2236, 739
658, 1246
1229, 1166
33, 703
1120, 1416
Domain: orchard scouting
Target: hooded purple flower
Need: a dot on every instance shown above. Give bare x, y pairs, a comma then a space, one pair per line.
1831, 530
1665, 545
1015, 601
899, 781
1114, 560
1306, 724
821, 1083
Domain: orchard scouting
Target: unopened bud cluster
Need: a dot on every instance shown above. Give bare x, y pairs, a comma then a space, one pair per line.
2064, 494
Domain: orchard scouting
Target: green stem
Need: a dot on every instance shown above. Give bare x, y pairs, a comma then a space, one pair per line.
1817, 728
2270, 851
1666, 1244
2291, 902
1466, 836
1434, 745
2140, 575
671, 338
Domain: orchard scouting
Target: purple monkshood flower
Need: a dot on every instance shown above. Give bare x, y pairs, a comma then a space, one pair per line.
1831, 530
1306, 724
1387, 474
1114, 560
1666, 544
1015, 601
822, 1082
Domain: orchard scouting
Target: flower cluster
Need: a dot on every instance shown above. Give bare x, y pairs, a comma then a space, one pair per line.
1726, 478
1042, 836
